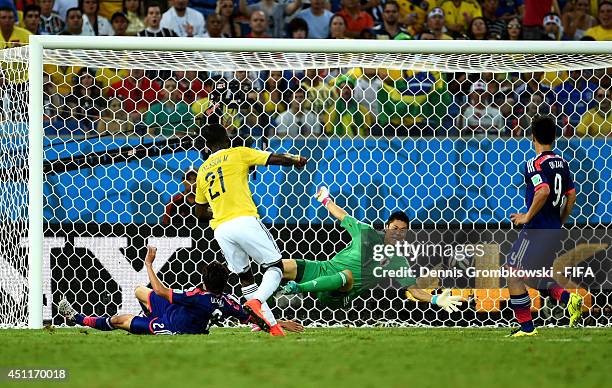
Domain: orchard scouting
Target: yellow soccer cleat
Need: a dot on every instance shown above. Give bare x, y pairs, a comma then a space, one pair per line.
574, 308
518, 332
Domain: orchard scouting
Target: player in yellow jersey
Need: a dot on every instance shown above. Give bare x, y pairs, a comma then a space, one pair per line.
222, 184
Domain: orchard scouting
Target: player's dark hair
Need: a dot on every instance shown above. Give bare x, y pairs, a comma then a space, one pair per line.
214, 277
215, 136
152, 4
399, 216
605, 2
544, 129
190, 173
73, 9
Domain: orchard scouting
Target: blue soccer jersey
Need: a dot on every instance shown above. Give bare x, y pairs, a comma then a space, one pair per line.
192, 312
547, 169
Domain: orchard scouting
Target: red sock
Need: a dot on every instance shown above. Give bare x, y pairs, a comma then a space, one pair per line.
559, 293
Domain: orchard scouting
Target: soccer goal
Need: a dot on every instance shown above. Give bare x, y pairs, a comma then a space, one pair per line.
100, 135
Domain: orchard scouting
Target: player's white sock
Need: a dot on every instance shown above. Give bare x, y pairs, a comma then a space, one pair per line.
269, 283
249, 293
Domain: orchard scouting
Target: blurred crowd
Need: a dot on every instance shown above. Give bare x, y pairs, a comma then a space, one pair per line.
318, 102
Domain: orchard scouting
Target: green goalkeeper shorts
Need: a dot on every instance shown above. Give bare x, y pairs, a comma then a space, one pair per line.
308, 270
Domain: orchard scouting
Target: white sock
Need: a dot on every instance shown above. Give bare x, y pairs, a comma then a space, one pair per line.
269, 283
249, 293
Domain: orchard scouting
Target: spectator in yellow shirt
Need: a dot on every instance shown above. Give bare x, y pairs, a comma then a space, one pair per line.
604, 30
459, 14
12, 36
598, 120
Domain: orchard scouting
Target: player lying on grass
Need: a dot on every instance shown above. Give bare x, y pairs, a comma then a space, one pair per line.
338, 281
548, 181
171, 311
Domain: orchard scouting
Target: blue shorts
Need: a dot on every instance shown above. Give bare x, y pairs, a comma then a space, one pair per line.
535, 249
156, 322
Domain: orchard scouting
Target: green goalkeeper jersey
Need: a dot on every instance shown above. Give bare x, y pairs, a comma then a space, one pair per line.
358, 257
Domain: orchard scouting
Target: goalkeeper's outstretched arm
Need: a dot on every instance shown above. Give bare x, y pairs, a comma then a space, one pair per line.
323, 196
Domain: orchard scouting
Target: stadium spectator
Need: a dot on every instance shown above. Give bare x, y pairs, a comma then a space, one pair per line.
459, 14
190, 85
318, 18
31, 19
231, 28
604, 30
532, 83
412, 102
12, 36
356, 20
50, 22
337, 27
133, 10
577, 21
598, 120
435, 26
480, 116
317, 90
74, 23
120, 24
259, 25
152, 22
390, 28
574, 97
94, 24
181, 208
169, 115
298, 120
275, 13
495, 24
114, 120
553, 29
61, 7
273, 94
368, 84
514, 30
413, 14
89, 94
536, 107
535, 10
214, 26
137, 91
478, 29
346, 116
205, 7
183, 20
510, 9
297, 28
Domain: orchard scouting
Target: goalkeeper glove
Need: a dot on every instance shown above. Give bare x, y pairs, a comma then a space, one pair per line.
447, 301
323, 195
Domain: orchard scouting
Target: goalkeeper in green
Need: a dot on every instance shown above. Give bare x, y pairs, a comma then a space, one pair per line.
338, 281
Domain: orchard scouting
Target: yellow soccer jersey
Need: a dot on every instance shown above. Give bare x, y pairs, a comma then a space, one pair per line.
223, 183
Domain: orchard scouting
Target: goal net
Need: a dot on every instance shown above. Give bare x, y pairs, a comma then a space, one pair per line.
443, 136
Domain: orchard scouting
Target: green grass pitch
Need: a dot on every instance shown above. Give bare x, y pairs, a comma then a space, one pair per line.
335, 357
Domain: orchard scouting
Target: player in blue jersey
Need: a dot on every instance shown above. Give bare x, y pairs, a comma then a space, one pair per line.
550, 197
171, 311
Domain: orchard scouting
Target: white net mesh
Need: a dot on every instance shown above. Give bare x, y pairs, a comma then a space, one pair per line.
442, 137
13, 186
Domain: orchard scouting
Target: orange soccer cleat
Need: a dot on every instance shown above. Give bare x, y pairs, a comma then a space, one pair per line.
277, 331
253, 308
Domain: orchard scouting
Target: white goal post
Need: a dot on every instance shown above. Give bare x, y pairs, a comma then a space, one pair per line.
233, 54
